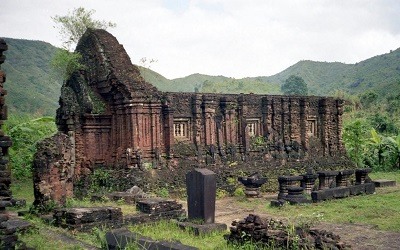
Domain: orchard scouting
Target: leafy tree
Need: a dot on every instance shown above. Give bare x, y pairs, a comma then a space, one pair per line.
396, 148
354, 140
294, 85
368, 98
72, 27
75, 24
377, 143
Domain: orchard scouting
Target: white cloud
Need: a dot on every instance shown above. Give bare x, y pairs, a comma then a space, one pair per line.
234, 38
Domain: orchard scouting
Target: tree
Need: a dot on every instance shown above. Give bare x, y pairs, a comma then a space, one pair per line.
75, 24
294, 85
396, 148
354, 140
72, 27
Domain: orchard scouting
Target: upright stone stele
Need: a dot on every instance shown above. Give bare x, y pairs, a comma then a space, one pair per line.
201, 190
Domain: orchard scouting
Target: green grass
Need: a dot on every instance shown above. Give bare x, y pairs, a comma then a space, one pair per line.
23, 189
170, 231
46, 237
381, 209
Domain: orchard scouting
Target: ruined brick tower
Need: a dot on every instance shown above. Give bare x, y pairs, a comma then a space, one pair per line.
110, 116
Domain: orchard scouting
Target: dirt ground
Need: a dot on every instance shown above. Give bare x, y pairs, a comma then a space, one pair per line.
359, 236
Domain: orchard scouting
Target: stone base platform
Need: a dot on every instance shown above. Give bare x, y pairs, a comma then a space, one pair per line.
85, 218
122, 237
384, 183
199, 229
157, 205
342, 192
147, 218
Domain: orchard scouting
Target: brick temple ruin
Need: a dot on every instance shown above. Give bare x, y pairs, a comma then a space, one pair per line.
110, 116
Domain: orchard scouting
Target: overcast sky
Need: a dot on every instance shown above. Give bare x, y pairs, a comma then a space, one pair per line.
235, 38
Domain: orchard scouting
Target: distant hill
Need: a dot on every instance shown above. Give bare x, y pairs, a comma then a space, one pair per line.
33, 89
379, 73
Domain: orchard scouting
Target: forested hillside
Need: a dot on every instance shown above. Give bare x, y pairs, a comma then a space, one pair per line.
31, 86
34, 89
380, 73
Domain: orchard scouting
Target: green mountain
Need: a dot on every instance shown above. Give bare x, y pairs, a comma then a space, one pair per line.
34, 89
380, 73
31, 87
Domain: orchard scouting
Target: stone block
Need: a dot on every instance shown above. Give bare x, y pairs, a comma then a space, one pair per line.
321, 195
357, 190
384, 183
157, 205
200, 229
87, 218
277, 203
147, 218
369, 188
341, 192
8, 241
122, 237
201, 191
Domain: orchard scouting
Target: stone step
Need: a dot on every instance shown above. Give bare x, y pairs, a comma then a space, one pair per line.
384, 183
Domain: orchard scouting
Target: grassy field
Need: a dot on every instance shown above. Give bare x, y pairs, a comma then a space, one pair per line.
381, 209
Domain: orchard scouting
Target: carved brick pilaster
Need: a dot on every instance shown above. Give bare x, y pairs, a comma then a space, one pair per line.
209, 105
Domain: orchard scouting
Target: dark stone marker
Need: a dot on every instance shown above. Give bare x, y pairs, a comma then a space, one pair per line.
201, 191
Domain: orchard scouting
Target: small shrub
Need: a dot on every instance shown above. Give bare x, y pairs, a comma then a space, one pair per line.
221, 193
163, 192
239, 192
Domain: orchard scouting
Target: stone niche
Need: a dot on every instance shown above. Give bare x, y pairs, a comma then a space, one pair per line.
110, 116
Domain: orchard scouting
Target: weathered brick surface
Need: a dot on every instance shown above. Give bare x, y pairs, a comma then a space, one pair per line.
54, 164
115, 118
8, 238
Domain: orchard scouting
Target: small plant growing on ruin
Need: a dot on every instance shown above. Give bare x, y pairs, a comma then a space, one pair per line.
163, 192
